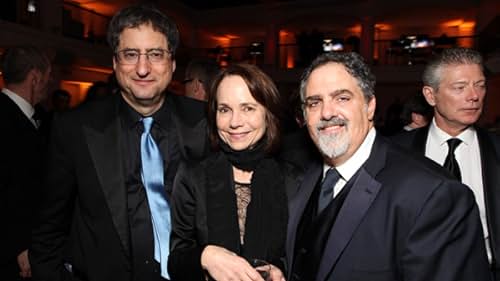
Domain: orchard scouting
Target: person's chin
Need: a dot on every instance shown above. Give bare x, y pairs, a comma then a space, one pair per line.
239, 145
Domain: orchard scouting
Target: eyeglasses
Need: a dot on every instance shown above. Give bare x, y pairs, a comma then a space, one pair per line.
154, 56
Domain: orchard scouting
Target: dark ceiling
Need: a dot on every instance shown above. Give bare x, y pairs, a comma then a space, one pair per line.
214, 4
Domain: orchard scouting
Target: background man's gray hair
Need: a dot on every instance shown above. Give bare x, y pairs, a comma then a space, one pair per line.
18, 61
454, 56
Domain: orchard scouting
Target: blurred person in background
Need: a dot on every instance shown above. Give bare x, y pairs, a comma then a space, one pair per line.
198, 77
26, 73
455, 86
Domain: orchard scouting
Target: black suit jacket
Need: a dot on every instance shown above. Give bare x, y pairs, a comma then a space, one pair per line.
489, 147
20, 180
402, 220
85, 191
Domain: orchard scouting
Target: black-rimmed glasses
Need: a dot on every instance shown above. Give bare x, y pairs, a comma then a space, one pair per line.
154, 56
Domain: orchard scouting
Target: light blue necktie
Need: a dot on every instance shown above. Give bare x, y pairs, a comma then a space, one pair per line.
152, 177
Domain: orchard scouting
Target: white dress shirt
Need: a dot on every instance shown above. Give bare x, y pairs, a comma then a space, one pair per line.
468, 157
352, 165
25, 106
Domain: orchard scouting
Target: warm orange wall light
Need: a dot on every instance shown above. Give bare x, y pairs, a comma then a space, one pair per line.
224, 40
355, 30
460, 24
288, 55
77, 89
461, 28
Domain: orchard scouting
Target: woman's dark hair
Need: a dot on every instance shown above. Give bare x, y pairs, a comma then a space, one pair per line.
262, 89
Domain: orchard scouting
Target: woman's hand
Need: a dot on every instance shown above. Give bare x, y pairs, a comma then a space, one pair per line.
275, 274
224, 265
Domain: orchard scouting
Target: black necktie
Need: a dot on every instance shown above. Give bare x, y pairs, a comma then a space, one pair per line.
37, 116
326, 193
451, 163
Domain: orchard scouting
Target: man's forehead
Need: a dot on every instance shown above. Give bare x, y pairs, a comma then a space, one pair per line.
459, 68
332, 77
136, 31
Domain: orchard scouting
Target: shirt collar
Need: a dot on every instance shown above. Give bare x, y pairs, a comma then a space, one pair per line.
352, 165
131, 117
25, 106
467, 136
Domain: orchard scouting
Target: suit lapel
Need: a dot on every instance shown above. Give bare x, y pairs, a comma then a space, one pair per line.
362, 194
189, 138
296, 208
190, 122
104, 147
491, 183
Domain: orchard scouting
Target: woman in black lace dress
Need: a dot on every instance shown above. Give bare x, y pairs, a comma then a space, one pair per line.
231, 208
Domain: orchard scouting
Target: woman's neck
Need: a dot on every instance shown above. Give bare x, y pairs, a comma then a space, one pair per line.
242, 176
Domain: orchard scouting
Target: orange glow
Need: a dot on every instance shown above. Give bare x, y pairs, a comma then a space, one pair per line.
355, 29
467, 25
224, 40
453, 23
286, 37
284, 33
290, 62
97, 69
97, 6
460, 23
77, 90
383, 26
231, 36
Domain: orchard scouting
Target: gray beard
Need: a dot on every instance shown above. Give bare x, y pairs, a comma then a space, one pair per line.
333, 145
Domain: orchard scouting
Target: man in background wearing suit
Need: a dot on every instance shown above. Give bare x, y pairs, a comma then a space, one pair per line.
105, 213
455, 86
370, 211
26, 71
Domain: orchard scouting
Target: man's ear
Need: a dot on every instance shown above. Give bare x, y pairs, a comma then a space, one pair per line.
429, 95
197, 85
34, 77
372, 104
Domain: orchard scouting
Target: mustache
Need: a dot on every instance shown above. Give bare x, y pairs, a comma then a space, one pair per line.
334, 121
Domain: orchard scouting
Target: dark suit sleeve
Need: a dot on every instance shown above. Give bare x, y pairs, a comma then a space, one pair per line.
446, 241
50, 233
19, 183
185, 255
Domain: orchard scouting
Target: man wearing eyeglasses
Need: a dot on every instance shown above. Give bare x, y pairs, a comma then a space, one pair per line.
106, 214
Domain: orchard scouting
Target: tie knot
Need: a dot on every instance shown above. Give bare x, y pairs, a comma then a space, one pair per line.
453, 143
147, 122
331, 178
332, 172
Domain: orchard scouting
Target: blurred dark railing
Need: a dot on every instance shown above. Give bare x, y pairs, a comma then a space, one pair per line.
386, 52
84, 24
90, 26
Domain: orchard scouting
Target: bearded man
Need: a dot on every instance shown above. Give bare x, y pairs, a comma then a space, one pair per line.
370, 210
